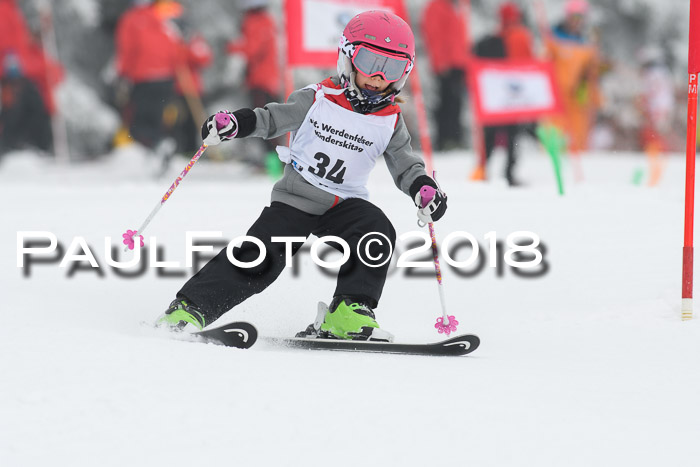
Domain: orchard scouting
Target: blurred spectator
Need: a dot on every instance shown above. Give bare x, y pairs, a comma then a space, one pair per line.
19, 95
24, 119
196, 55
258, 45
576, 67
28, 78
14, 34
656, 100
513, 42
517, 38
148, 56
445, 36
45, 72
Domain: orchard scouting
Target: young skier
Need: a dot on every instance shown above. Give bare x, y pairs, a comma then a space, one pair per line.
341, 126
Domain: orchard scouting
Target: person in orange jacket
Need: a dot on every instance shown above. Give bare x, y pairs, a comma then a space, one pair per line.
445, 36
148, 56
576, 66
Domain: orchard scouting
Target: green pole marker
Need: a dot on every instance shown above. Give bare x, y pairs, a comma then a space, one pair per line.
554, 143
637, 176
273, 165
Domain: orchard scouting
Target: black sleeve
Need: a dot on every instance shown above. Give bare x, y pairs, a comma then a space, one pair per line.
246, 122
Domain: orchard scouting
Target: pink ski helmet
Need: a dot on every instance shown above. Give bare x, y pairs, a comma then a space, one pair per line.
384, 32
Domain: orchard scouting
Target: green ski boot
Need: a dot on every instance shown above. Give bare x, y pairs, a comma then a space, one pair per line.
347, 318
180, 314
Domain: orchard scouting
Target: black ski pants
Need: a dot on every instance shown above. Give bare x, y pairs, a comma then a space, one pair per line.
24, 120
510, 133
148, 101
452, 92
220, 286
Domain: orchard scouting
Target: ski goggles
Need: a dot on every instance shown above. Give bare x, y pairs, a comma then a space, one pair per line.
372, 62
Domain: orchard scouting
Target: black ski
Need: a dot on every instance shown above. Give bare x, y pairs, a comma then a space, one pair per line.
243, 335
454, 346
237, 334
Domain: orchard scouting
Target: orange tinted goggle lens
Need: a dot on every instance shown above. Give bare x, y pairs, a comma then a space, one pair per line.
372, 62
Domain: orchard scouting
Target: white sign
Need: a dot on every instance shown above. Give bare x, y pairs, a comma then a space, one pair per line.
515, 91
324, 21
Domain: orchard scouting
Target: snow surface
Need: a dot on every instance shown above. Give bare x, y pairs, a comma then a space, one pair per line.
587, 365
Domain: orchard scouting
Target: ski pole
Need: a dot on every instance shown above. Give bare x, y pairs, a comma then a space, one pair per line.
130, 234
444, 324
222, 120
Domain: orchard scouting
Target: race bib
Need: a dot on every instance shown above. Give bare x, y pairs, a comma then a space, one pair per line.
335, 148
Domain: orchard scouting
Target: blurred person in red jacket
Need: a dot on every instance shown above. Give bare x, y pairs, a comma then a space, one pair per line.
512, 42
196, 55
445, 36
43, 70
21, 100
14, 34
148, 56
26, 72
259, 47
18, 40
24, 118
258, 44
517, 38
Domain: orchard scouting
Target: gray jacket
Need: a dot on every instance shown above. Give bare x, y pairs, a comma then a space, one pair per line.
275, 120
